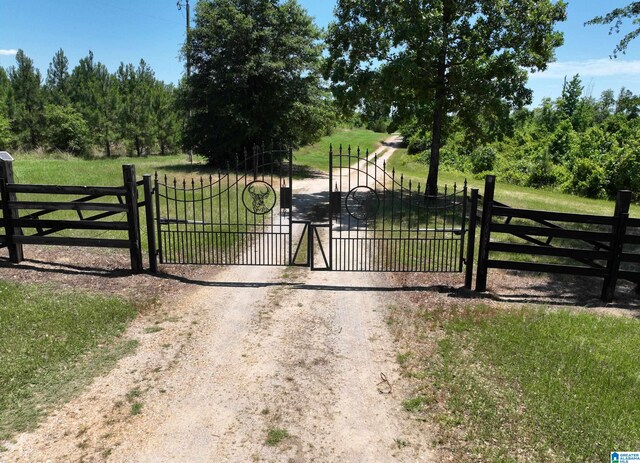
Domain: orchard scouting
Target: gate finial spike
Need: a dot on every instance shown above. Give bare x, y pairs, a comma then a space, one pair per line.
330, 149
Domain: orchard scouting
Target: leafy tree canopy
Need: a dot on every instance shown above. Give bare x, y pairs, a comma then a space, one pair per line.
432, 59
616, 18
255, 77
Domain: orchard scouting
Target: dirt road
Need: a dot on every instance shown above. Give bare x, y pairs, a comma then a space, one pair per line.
256, 364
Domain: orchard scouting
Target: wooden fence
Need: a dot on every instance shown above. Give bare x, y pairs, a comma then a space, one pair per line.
595, 246
30, 222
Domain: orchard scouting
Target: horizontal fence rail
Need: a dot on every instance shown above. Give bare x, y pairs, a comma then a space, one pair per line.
584, 245
33, 221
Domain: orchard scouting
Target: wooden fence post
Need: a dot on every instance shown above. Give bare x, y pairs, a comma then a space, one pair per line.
16, 254
135, 248
151, 232
619, 229
485, 233
471, 243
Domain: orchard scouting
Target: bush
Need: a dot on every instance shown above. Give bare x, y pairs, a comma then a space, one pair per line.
483, 159
542, 172
418, 143
378, 126
625, 173
6, 140
67, 130
588, 178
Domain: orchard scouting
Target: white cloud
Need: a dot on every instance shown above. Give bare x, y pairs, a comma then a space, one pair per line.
8, 52
590, 68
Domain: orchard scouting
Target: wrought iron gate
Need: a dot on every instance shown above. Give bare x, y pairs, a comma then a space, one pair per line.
381, 223
237, 217
377, 222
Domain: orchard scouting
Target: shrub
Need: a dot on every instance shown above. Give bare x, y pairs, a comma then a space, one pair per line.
588, 178
6, 140
418, 143
67, 130
482, 159
378, 126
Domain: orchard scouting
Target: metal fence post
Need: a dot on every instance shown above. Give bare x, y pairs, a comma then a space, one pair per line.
151, 232
135, 248
619, 229
471, 243
16, 254
485, 233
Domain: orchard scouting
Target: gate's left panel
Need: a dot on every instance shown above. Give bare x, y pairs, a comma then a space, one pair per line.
239, 216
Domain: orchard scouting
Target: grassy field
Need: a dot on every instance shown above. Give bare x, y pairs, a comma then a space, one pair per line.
52, 343
527, 384
316, 156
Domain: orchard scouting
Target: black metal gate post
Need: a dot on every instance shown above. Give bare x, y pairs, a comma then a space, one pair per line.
151, 232
133, 219
485, 233
471, 243
623, 201
16, 254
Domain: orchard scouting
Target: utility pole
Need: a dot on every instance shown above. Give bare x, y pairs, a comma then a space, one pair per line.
180, 4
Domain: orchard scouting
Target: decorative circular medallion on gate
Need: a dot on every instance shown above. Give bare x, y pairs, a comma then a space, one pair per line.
362, 203
259, 197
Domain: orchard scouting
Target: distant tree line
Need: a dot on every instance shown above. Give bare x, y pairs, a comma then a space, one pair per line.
87, 109
580, 144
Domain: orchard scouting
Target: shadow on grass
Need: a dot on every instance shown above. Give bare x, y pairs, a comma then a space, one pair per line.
65, 269
555, 289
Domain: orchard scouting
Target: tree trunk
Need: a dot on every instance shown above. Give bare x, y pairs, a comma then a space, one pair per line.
436, 131
138, 147
108, 147
439, 110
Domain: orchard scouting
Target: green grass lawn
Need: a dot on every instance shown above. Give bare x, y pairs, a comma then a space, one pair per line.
529, 384
52, 343
316, 156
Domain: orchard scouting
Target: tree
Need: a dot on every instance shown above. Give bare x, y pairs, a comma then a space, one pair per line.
5, 91
104, 91
135, 87
27, 107
628, 103
617, 18
57, 84
166, 120
255, 76
437, 58
570, 98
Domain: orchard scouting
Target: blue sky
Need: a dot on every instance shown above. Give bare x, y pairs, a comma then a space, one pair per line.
127, 30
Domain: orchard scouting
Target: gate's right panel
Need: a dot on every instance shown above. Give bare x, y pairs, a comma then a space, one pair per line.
382, 223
